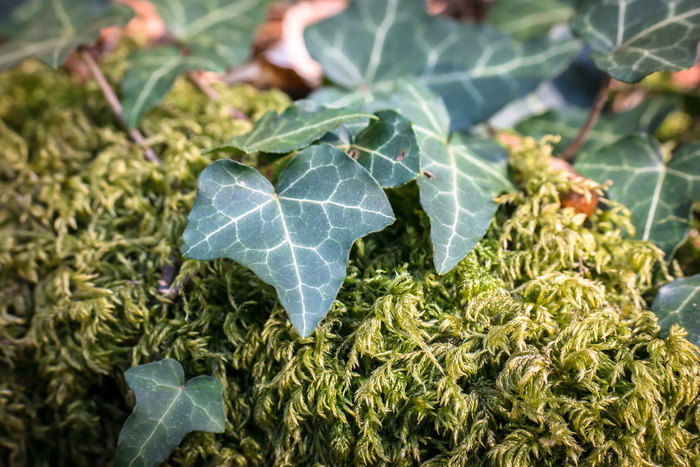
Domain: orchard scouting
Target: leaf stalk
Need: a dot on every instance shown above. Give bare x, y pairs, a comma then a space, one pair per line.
600, 100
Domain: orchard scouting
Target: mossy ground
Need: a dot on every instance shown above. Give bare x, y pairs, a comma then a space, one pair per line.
538, 349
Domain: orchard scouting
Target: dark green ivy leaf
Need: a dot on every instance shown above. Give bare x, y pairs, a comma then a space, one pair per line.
679, 303
461, 177
166, 410
658, 192
51, 30
634, 38
298, 126
150, 76
387, 148
296, 239
218, 31
474, 68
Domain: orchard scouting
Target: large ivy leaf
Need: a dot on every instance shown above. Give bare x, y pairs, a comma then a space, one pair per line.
297, 239
298, 126
576, 86
219, 31
166, 410
387, 148
659, 194
151, 74
679, 303
462, 176
567, 122
474, 68
634, 38
527, 19
51, 30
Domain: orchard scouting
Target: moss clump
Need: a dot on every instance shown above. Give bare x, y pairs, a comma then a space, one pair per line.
538, 349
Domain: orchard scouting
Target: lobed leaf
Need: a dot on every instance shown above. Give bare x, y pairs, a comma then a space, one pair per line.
166, 410
387, 148
298, 239
474, 68
678, 302
151, 74
634, 38
297, 127
51, 30
659, 194
462, 176
218, 31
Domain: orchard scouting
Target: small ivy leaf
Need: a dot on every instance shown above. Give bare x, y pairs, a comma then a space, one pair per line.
151, 74
659, 194
218, 31
567, 121
298, 126
475, 80
388, 149
634, 38
461, 175
56, 28
678, 302
298, 240
166, 410
527, 19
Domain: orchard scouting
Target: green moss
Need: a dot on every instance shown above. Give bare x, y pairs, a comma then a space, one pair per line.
538, 349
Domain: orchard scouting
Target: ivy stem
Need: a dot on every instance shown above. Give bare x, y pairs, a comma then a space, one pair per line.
600, 99
116, 106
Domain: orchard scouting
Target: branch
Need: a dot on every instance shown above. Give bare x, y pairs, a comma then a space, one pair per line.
600, 99
116, 106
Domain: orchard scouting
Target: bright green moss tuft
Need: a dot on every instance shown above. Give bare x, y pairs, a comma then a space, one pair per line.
538, 349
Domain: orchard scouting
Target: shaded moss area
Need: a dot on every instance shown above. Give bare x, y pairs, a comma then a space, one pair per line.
538, 349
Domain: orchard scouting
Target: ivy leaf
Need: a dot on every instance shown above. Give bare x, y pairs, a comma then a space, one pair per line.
218, 31
659, 194
527, 19
609, 129
634, 38
678, 302
462, 176
166, 410
457, 193
151, 74
387, 148
56, 28
474, 68
298, 239
297, 127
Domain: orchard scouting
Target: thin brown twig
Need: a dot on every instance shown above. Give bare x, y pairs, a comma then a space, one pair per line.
203, 86
116, 106
600, 100
213, 94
